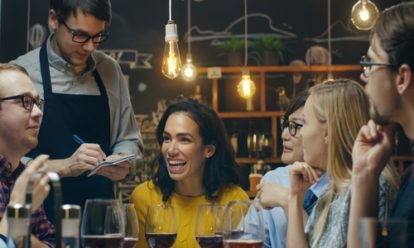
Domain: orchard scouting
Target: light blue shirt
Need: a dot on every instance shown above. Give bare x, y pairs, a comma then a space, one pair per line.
275, 219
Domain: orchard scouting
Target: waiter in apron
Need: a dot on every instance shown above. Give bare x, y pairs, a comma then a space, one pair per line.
77, 31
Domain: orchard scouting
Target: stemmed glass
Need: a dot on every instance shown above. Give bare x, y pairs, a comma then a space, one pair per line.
161, 226
131, 226
243, 225
209, 226
102, 224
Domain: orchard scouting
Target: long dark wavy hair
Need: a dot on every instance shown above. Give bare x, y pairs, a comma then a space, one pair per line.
220, 169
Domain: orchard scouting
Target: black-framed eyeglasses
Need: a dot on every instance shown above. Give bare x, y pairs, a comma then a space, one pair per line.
292, 126
28, 101
366, 65
82, 37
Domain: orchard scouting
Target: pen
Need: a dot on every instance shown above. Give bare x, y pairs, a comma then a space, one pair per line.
77, 139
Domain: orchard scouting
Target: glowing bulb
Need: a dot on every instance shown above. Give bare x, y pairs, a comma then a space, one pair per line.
189, 71
364, 14
171, 61
246, 87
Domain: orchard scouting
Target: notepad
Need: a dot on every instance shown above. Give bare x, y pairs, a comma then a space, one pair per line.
112, 162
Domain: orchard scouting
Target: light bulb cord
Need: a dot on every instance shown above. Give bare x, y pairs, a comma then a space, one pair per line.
189, 26
170, 11
329, 38
245, 33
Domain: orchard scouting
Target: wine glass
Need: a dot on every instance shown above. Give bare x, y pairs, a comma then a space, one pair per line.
161, 226
131, 226
243, 224
209, 226
102, 224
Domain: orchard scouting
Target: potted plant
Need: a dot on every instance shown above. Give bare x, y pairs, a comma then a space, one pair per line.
233, 48
270, 49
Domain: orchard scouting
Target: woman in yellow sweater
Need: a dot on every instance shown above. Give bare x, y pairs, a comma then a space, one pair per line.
196, 166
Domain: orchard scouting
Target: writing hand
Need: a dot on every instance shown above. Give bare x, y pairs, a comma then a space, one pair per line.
85, 158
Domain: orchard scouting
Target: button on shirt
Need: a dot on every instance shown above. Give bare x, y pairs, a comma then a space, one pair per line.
276, 219
41, 227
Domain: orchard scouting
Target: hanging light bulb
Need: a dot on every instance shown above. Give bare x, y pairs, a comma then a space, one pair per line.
189, 71
246, 87
171, 61
364, 14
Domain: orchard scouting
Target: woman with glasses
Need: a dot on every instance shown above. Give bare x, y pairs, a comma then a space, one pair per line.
332, 117
274, 188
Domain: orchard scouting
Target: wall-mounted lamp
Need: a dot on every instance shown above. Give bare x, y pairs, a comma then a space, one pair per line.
364, 14
189, 71
171, 61
246, 87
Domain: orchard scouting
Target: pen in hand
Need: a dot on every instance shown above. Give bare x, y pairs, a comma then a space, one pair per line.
77, 139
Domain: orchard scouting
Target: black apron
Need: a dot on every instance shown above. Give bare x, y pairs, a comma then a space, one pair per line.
66, 115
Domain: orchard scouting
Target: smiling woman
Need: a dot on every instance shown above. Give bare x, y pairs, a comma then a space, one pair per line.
196, 166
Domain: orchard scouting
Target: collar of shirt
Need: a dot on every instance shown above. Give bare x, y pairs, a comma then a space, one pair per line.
5, 169
318, 187
62, 65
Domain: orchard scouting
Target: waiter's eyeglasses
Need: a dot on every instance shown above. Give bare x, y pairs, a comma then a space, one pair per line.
82, 37
28, 101
292, 126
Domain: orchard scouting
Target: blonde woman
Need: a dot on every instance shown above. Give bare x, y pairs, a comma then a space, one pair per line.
333, 115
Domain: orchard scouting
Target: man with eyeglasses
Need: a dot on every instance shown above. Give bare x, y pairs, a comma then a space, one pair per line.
20, 117
388, 71
85, 95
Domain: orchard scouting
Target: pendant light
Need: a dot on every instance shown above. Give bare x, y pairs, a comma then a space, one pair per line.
246, 87
171, 61
364, 14
330, 75
189, 71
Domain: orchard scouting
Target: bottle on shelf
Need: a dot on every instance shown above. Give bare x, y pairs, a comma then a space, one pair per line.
255, 177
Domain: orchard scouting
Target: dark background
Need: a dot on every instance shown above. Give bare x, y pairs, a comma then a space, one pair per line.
139, 25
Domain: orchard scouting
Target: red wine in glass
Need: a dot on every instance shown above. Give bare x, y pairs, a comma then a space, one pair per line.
160, 240
243, 243
103, 241
130, 242
210, 242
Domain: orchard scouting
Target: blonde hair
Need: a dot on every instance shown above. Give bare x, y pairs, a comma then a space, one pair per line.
343, 105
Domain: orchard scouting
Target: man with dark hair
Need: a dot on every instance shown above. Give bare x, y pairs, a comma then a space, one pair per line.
388, 71
20, 117
85, 95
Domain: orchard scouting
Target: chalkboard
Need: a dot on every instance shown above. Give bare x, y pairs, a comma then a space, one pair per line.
137, 35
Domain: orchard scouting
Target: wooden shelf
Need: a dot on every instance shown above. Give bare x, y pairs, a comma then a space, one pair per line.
254, 160
285, 68
250, 114
263, 111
